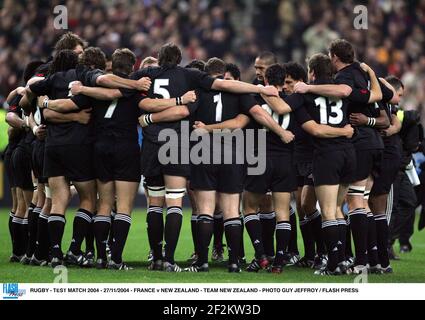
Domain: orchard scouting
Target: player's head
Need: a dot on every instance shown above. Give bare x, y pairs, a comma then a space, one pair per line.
341, 52
262, 62
232, 72
93, 57
319, 67
149, 62
397, 84
70, 41
275, 75
169, 54
295, 72
215, 67
30, 69
64, 60
196, 64
123, 61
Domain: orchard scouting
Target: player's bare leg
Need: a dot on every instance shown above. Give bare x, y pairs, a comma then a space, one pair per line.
229, 203
281, 202
175, 189
328, 198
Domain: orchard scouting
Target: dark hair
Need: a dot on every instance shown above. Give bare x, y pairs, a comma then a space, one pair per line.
343, 50
296, 71
64, 60
123, 61
234, 70
169, 54
93, 57
395, 82
268, 56
275, 75
215, 66
31, 69
196, 64
69, 41
321, 65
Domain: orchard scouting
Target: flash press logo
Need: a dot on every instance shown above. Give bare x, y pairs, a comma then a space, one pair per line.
12, 291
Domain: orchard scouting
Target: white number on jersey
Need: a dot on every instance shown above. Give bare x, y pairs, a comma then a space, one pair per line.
218, 108
330, 111
159, 89
109, 113
286, 118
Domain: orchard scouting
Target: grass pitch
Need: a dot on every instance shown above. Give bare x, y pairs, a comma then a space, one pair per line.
411, 269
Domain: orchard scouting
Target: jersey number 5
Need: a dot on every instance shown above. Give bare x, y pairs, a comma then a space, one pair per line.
330, 111
158, 88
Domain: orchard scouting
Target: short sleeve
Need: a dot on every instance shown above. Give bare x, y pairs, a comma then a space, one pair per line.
198, 79
295, 101
247, 102
82, 101
14, 105
88, 77
42, 87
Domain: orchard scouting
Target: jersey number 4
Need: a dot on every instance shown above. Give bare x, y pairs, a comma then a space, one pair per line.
330, 111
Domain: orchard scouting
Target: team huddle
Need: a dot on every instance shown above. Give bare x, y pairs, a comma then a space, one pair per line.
330, 141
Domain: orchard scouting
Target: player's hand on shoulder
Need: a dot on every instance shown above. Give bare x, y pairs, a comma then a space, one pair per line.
301, 87
349, 131
144, 84
287, 136
76, 88
189, 97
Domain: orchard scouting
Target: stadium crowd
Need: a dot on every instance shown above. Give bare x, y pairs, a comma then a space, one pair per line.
336, 132
234, 30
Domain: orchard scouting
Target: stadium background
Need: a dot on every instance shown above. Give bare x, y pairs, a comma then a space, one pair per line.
235, 30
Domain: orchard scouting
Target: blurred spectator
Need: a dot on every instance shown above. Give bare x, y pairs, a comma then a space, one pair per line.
236, 30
